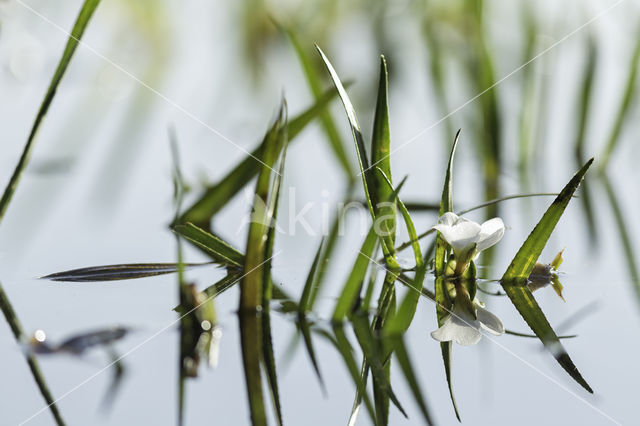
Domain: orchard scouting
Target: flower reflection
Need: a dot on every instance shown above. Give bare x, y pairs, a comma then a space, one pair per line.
463, 328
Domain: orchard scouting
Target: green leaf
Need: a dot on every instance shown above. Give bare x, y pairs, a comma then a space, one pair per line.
385, 310
224, 284
443, 305
329, 126
311, 281
368, 293
119, 272
526, 304
251, 289
80, 25
351, 290
372, 353
381, 158
411, 229
410, 375
515, 278
267, 345
523, 262
344, 348
361, 152
357, 401
327, 253
304, 327
219, 250
217, 196
446, 201
400, 322
417, 206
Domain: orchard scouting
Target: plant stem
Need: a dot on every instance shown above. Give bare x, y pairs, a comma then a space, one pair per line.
16, 328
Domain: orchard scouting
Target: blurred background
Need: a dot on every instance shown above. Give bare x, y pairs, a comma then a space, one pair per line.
537, 88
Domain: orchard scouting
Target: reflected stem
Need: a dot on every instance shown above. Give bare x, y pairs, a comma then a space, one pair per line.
16, 328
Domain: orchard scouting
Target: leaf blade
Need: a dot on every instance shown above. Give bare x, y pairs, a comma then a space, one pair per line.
518, 271
253, 280
528, 254
443, 305
215, 247
126, 271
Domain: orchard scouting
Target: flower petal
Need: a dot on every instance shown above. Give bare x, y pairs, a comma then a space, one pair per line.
490, 322
449, 218
461, 235
491, 232
459, 327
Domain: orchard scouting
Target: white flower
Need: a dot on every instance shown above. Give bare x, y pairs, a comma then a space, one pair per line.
462, 328
468, 238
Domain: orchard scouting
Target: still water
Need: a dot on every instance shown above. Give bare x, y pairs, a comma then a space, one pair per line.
99, 191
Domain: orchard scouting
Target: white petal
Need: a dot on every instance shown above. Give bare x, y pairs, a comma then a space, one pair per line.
462, 235
459, 327
490, 322
449, 218
491, 232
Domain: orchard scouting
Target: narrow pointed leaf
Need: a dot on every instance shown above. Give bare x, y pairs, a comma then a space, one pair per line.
357, 401
119, 272
344, 348
308, 343
251, 289
385, 310
381, 158
267, 291
401, 321
223, 285
353, 286
371, 350
410, 375
303, 324
514, 279
216, 248
443, 305
523, 262
361, 152
311, 280
325, 257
